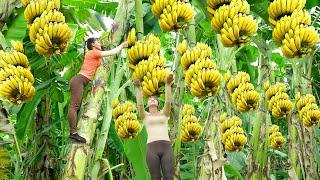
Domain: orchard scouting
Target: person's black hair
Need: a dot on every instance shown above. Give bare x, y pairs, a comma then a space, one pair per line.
89, 42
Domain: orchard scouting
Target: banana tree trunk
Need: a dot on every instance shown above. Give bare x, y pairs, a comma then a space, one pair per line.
307, 154
212, 163
78, 155
179, 92
258, 156
107, 117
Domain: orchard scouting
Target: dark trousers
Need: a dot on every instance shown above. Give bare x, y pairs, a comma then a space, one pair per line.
77, 85
159, 153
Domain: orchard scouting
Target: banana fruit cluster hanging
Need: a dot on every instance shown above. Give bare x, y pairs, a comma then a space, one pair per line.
146, 63
292, 27
233, 136
278, 100
190, 127
5, 163
275, 137
242, 92
308, 109
16, 79
201, 75
126, 121
231, 20
172, 14
47, 27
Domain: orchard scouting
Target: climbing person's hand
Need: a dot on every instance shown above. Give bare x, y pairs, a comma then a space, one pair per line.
169, 78
125, 44
137, 82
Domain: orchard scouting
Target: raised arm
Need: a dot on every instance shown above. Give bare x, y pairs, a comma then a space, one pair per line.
139, 97
115, 50
168, 96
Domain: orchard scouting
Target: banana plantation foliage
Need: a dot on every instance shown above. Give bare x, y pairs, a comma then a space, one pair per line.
244, 76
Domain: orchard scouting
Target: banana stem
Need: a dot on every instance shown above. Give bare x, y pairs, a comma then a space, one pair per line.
139, 18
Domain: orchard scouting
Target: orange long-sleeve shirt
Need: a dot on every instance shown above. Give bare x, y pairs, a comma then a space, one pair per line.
91, 62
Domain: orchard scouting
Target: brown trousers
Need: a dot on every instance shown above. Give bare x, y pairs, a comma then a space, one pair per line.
77, 84
159, 153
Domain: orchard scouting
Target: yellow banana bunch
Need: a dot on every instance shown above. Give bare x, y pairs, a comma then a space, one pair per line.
229, 123
276, 138
145, 66
159, 5
16, 58
279, 8
273, 90
191, 132
282, 108
115, 103
182, 47
233, 137
190, 57
288, 24
126, 116
235, 142
238, 30
126, 121
17, 46
213, 5
273, 129
242, 92
54, 39
279, 96
131, 37
152, 81
175, 16
198, 66
205, 50
120, 109
36, 7
311, 118
40, 22
205, 82
308, 110
238, 92
240, 78
278, 100
188, 119
187, 110
248, 101
16, 90
221, 15
302, 101
300, 42
129, 129
142, 50
18, 71
47, 27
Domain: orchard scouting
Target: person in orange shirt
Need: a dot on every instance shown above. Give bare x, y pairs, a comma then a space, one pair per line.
92, 61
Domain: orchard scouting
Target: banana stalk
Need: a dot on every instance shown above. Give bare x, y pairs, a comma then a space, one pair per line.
103, 135
139, 18
258, 156
78, 155
178, 100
